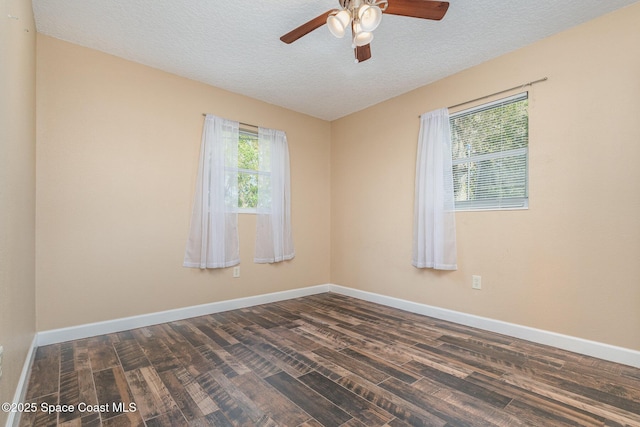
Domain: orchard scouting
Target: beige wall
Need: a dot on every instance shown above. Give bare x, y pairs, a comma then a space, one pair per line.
117, 155
569, 264
17, 190
116, 164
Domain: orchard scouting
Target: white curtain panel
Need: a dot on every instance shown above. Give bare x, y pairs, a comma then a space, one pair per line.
434, 223
274, 240
213, 233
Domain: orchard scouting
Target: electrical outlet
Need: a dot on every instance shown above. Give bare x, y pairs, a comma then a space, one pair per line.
236, 271
476, 282
1, 353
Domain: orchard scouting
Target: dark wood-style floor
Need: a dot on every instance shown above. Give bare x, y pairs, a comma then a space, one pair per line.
325, 360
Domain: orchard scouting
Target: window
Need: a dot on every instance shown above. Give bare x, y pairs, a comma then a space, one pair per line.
490, 155
232, 158
250, 177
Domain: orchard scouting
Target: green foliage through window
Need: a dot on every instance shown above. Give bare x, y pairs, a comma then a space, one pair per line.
248, 166
490, 154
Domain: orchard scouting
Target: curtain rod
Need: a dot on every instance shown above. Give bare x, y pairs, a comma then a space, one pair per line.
522, 86
243, 124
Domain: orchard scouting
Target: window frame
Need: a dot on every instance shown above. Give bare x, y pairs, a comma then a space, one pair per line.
239, 170
495, 204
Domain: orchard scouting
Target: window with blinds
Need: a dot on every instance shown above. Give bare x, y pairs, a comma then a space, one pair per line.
490, 155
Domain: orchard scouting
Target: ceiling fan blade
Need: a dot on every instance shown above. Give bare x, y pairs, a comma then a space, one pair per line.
362, 52
425, 9
306, 28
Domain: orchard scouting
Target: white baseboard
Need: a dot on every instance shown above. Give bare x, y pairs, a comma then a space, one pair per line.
124, 324
566, 342
578, 345
21, 390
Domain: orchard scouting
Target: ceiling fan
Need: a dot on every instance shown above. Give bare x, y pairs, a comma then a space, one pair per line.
364, 16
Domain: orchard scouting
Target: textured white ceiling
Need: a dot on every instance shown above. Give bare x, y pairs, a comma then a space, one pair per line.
235, 44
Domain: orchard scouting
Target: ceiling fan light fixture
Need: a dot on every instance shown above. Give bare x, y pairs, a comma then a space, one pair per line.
362, 38
364, 16
369, 17
338, 22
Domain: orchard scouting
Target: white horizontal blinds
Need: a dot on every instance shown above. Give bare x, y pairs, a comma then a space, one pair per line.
490, 155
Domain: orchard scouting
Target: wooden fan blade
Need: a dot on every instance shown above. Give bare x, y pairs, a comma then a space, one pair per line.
306, 28
425, 9
362, 52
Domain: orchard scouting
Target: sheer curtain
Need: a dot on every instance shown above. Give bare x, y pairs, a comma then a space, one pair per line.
213, 233
274, 240
434, 222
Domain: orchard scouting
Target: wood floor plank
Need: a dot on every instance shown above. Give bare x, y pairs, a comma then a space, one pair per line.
74, 356
193, 335
253, 411
271, 402
228, 406
224, 359
420, 358
191, 359
214, 335
149, 392
365, 371
614, 396
112, 391
131, 419
290, 364
381, 335
325, 360
325, 412
173, 419
256, 319
473, 407
395, 353
159, 354
276, 318
488, 351
540, 416
87, 420
218, 419
381, 365
277, 311
167, 334
317, 363
101, 353
76, 387
231, 317
328, 337
353, 405
252, 360
131, 355
403, 410
193, 402
450, 412
40, 418
548, 409
465, 360
576, 400
45, 372
290, 338
612, 381
218, 362
461, 384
